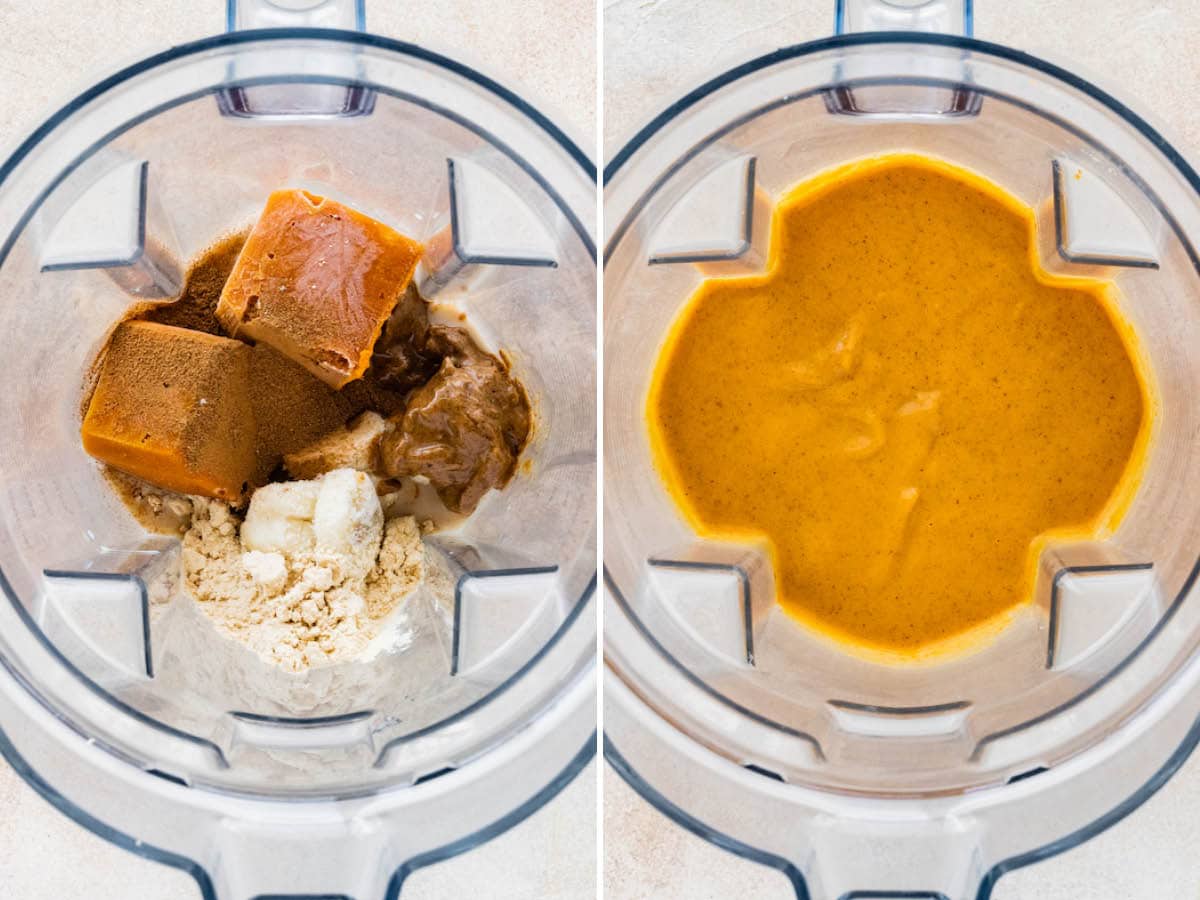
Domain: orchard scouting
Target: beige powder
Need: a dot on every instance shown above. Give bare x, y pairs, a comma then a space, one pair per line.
321, 579
401, 567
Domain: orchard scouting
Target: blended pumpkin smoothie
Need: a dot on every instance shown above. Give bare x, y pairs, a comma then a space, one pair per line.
905, 407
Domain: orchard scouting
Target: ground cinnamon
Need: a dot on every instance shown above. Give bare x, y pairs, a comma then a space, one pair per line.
196, 307
288, 407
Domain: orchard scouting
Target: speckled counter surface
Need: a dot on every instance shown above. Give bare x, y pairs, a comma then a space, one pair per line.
544, 49
1148, 53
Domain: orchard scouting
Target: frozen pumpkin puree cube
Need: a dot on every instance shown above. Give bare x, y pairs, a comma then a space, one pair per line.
172, 407
317, 280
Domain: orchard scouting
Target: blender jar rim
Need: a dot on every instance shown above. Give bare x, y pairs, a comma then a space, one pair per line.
616, 673
38, 722
578, 157
891, 38
274, 36
888, 39
365, 39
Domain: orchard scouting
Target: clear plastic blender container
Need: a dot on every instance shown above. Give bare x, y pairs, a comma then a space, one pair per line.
117, 700
853, 777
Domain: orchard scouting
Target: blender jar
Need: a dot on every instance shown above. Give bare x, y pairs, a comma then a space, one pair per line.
853, 777
118, 702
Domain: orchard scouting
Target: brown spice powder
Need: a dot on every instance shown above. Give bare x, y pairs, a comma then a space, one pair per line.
292, 407
196, 307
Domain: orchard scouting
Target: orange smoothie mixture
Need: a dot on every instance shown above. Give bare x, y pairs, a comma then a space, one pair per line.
906, 408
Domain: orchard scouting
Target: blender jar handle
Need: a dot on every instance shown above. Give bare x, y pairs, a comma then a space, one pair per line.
936, 16
345, 14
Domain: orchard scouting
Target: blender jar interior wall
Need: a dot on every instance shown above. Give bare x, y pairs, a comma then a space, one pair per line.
98, 592
823, 716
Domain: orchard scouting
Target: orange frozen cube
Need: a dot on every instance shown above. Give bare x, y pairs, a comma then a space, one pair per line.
171, 406
317, 280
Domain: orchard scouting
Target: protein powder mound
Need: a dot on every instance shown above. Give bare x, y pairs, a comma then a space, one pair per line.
312, 577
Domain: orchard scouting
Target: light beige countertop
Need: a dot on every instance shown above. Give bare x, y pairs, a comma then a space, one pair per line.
1145, 52
543, 49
